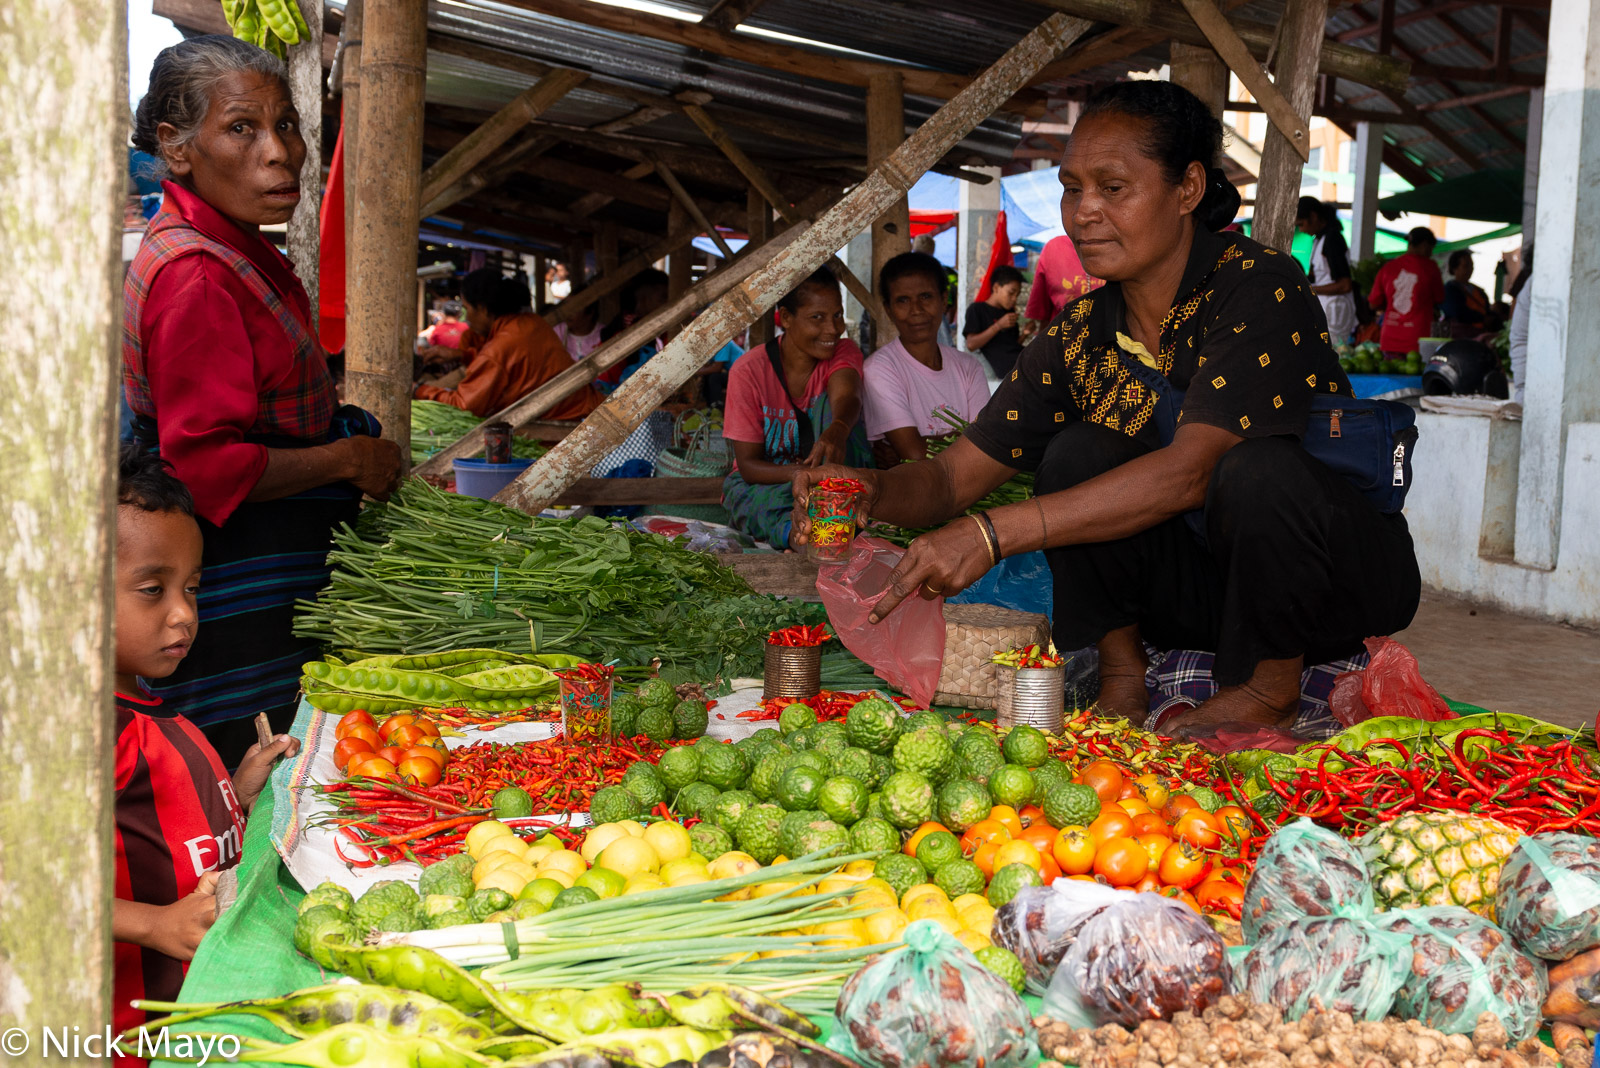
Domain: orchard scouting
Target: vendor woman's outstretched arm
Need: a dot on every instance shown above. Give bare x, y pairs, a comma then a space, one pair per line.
919, 494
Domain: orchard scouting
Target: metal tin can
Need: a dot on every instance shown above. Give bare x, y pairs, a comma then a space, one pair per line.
497, 443
1035, 697
792, 671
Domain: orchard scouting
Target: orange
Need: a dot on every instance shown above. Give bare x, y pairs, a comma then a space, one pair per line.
1007, 817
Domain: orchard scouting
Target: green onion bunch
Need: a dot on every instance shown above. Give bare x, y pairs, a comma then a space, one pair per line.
435, 427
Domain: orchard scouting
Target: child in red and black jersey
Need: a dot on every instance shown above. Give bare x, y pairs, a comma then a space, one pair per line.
179, 818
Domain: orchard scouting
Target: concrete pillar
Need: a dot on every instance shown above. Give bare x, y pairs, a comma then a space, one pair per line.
977, 207
1563, 361
857, 256
1530, 166
1368, 164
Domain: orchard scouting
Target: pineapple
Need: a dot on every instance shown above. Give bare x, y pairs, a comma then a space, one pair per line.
1437, 858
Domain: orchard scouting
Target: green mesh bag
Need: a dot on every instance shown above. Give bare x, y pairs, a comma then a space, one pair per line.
1304, 871
931, 1003
1346, 964
1549, 894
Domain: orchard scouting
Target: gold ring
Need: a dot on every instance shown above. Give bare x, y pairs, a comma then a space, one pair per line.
931, 590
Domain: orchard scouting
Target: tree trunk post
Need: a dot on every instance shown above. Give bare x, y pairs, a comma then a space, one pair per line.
1278, 188
678, 263
64, 91
760, 227
350, 122
383, 273
886, 130
1200, 70
606, 259
305, 85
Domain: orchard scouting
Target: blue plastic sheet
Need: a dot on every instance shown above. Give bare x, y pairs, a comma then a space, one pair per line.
1020, 582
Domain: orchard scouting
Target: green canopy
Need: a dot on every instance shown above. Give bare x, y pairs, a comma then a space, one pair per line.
1488, 196
1385, 243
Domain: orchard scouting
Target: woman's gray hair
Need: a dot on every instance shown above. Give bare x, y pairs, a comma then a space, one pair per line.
182, 81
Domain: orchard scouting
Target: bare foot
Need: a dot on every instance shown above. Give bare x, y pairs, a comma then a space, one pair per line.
1123, 697
1238, 707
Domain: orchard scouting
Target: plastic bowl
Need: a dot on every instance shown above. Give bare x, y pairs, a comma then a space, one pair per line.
480, 478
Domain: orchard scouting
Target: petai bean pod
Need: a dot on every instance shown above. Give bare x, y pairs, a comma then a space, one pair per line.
316, 1009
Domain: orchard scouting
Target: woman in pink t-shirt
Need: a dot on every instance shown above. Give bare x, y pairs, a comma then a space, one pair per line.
795, 400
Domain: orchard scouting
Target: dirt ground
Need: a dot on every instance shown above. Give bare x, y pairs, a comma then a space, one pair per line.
1506, 662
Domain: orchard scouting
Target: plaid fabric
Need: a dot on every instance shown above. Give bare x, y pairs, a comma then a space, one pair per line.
301, 406
1180, 679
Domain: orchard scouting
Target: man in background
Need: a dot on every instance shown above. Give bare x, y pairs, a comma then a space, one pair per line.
1407, 290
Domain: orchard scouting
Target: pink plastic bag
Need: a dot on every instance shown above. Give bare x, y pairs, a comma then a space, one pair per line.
1345, 700
1391, 685
906, 649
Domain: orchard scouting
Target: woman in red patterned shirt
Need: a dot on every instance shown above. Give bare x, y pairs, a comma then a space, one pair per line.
223, 371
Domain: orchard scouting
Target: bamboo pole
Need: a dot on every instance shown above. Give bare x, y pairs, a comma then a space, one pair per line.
497, 129
611, 423
305, 86
383, 254
1278, 185
759, 180
886, 130
692, 208
619, 349
64, 92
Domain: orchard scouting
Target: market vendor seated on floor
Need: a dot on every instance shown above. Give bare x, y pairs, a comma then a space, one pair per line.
795, 400
510, 352
1286, 563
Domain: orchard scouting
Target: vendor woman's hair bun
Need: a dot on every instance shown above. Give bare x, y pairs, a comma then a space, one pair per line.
1180, 130
182, 81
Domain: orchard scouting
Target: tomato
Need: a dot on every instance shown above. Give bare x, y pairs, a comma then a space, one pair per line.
984, 857
1236, 823
1154, 846
1183, 866
1073, 850
1007, 817
1153, 788
1177, 805
1220, 895
374, 768
365, 733
1039, 834
404, 737
910, 848
1129, 791
1149, 823
1029, 814
424, 752
393, 754
349, 747
394, 723
983, 831
1235, 876
1111, 823
1200, 828
428, 727
435, 743
1148, 885
1121, 860
1086, 879
1105, 778
419, 771
359, 718
1133, 806
1180, 895
1049, 870
1017, 851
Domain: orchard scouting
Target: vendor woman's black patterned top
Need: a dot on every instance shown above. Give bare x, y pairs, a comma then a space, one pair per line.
1246, 342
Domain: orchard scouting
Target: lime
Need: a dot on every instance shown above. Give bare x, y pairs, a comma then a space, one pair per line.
603, 881
1011, 784
711, 840
937, 849
962, 802
511, 803
874, 835
1071, 804
873, 725
800, 788
582, 895
957, 877
1008, 880
1025, 745
794, 717
900, 872
1003, 963
843, 799
907, 799
543, 891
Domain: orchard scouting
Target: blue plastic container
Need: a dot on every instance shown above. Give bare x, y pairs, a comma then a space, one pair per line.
480, 478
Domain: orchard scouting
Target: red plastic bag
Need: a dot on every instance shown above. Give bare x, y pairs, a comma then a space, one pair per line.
1392, 684
906, 649
1345, 702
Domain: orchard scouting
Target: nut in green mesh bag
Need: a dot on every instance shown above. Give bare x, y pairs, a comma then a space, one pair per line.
1549, 894
1462, 965
1345, 964
931, 1003
1304, 871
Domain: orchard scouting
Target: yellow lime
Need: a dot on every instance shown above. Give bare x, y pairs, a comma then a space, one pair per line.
863, 868
965, 901
874, 896
688, 877
978, 918
565, 878
493, 862
843, 934
698, 859
669, 840
598, 838
780, 859
674, 869
634, 828
511, 879
972, 939
927, 908
537, 853
885, 926
922, 890
879, 884
481, 833
645, 880
732, 863
777, 886
947, 922
838, 882
630, 856
564, 860
602, 881
550, 841
543, 890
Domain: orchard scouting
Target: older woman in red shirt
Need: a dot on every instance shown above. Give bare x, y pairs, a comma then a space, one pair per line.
225, 377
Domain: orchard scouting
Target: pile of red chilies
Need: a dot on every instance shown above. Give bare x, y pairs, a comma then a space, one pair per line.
828, 704
585, 678
488, 721
841, 485
1533, 788
384, 822
801, 636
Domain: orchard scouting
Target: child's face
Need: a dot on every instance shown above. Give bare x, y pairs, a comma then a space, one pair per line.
158, 575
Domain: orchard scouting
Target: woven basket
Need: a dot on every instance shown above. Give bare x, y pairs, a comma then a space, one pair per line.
973, 634
705, 456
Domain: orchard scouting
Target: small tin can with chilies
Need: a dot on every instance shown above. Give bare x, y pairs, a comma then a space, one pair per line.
497, 443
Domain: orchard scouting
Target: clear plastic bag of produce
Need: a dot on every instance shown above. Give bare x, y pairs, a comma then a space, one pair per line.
905, 648
1040, 922
1461, 965
931, 1003
1345, 964
1145, 957
1304, 871
1549, 894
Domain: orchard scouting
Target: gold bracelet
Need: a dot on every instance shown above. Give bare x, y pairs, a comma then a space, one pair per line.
988, 542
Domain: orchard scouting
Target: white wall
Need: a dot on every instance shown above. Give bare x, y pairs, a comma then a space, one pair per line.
1461, 511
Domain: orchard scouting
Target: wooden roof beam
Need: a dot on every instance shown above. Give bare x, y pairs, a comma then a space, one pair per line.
728, 14
1485, 74
487, 177
590, 203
